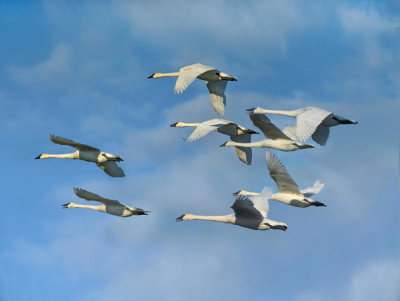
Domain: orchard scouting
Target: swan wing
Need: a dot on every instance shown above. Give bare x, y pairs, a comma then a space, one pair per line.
188, 74
290, 131
321, 135
308, 121
90, 196
217, 95
279, 174
111, 168
244, 153
256, 206
206, 127
310, 191
66, 141
267, 127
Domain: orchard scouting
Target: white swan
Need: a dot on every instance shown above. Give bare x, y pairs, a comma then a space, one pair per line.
236, 132
109, 206
250, 212
310, 121
216, 82
275, 138
289, 192
105, 161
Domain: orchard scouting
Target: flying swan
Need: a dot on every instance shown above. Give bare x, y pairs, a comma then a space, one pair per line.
249, 212
288, 191
311, 121
236, 132
216, 82
109, 206
105, 161
275, 138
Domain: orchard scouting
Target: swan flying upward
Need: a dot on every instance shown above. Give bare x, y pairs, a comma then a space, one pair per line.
105, 161
275, 138
311, 121
288, 190
236, 132
249, 212
216, 82
109, 206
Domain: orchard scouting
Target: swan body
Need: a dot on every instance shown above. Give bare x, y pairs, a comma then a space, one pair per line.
275, 138
249, 212
311, 122
236, 132
288, 190
112, 207
215, 80
105, 161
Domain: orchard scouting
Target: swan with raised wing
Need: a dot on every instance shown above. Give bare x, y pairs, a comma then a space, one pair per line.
288, 191
112, 207
310, 122
215, 80
249, 212
275, 138
105, 161
235, 131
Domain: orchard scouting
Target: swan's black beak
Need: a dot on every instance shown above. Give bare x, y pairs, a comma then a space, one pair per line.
180, 219
65, 206
173, 125
151, 76
224, 144
38, 157
250, 110
236, 193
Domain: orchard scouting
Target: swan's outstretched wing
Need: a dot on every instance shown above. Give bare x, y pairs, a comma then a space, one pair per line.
308, 121
267, 127
290, 131
256, 206
89, 196
188, 74
206, 127
309, 191
111, 168
321, 134
217, 95
279, 174
65, 141
244, 153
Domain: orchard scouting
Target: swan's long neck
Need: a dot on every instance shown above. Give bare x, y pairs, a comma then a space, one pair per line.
171, 74
261, 143
223, 218
74, 155
97, 208
293, 113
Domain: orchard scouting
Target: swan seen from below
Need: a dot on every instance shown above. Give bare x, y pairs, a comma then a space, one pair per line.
310, 122
216, 82
105, 161
236, 132
249, 212
275, 138
108, 206
288, 190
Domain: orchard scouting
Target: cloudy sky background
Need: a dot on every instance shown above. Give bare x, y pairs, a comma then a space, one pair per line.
78, 70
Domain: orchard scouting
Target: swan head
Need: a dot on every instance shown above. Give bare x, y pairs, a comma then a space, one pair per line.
151, 76
38, 157
111, 157
68, 205
256, 110
244, 192
177, 124
225, 76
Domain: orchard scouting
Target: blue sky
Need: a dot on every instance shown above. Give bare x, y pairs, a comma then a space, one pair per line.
78, 70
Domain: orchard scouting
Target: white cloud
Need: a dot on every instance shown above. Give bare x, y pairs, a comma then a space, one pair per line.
53, 70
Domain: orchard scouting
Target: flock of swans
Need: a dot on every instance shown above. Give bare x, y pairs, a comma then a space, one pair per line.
250, 208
